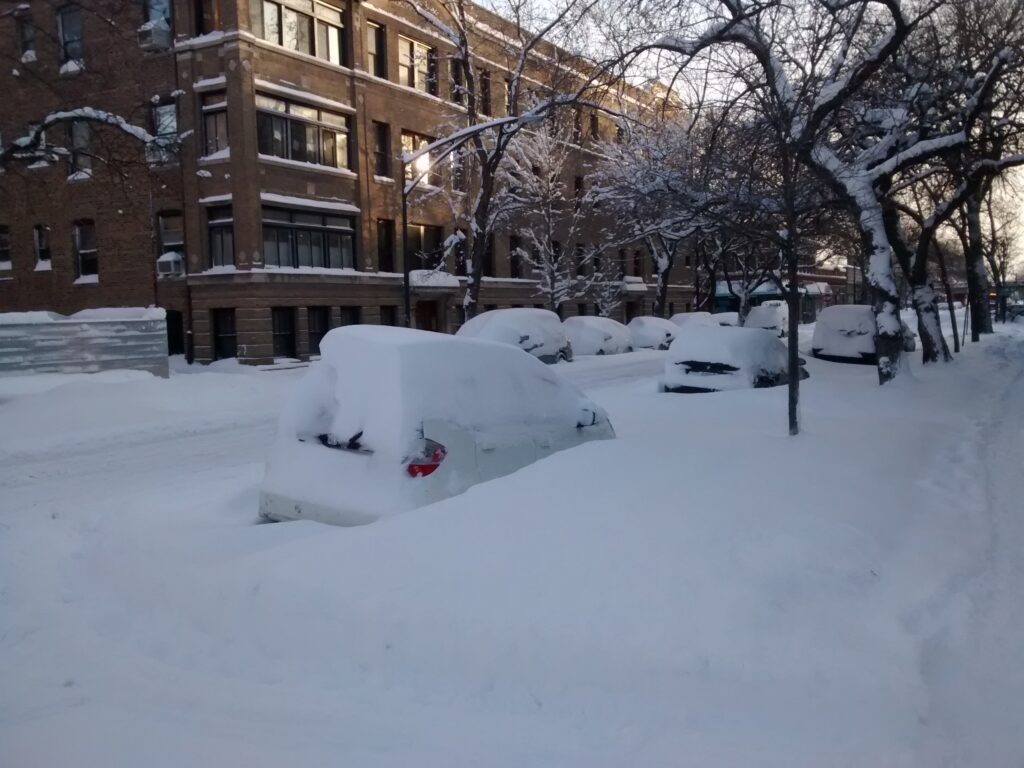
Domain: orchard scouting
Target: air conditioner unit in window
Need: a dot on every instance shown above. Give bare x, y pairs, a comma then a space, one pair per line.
155, 35
169, 264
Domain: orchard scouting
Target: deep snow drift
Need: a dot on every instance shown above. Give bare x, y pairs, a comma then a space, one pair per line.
703, 590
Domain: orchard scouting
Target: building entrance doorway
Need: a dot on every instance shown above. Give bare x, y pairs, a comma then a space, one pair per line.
428, 316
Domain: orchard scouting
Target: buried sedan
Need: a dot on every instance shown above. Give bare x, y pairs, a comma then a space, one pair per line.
724, 358
391, 419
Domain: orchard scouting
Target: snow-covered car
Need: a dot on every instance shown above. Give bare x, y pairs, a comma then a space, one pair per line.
694, 319
590, 335
723, 358
537, 331
728, 319
770, 316
391, 419
846, 334
652, 332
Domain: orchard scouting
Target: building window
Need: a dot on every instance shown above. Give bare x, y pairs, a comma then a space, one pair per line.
207, 16
83, 245
170, 232
282, 321
426, 243
69, 33
26, 39
577, 191
215, 123
389, 315
595, 130
5, 247
581, 310
305, 239
288, 27
40, 244
580, 258
385, 245
303, 134
509, 106
376, 50
225, 340
165, 127
79, 138
457, 161
515, 256
484, 82
577, 125
221, 232
318, 321
157, 10
638, 264
349, 316
487, 268
410, 143
330, 39
457, 87
417, 65
382, 149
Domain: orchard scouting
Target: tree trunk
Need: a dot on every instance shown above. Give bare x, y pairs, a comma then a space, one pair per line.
926, 306
662, 270
944, 275
977, 277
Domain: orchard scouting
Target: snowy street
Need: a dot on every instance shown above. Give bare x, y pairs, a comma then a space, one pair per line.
677, 595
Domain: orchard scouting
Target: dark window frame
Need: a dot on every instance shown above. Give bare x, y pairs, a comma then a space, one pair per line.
84, 248
220, 227
301, 134
376, 49
308, 240
70, 44
381, 149
41, 243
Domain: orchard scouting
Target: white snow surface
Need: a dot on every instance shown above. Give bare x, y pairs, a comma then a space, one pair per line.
652, 332
694, 319
771, 317
537, 331
727, 318
432, 278
845, 330
703, 590
591, 335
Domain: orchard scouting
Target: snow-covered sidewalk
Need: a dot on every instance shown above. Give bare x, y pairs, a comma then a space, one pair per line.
703, 590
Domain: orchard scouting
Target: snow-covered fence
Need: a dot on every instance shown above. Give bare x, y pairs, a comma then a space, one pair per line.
85, 342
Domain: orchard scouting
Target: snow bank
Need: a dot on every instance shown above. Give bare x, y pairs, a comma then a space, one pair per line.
652, 332
685, 319
845, 331
537, 331
29, 318
724, 358
590, 335
120, 313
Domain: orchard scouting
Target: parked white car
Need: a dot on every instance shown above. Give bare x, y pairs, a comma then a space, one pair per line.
589, 335
537, 331
694, 319
652, 332
722, 358
770, 316
846, 334
391, 419
730, 319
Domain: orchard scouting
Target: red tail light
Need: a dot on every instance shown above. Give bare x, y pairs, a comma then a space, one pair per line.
428, 460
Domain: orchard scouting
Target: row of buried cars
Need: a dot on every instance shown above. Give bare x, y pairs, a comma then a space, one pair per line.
706, 353
393, 419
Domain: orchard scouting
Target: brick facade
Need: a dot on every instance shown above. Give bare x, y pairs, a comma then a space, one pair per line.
233, 64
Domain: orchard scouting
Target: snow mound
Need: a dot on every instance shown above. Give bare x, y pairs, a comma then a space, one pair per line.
597, 336
727, 318
694, 319
29, 318
845, 331
120, 313
724, 358
652, 332
537, 331
770, 317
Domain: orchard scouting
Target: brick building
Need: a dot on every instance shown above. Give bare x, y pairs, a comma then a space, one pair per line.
279, 217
